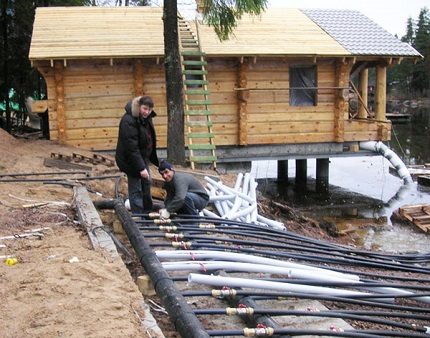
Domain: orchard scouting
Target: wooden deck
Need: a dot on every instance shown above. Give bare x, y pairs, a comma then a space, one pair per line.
398, 118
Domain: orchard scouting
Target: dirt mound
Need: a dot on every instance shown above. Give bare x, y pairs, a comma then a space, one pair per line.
47, 294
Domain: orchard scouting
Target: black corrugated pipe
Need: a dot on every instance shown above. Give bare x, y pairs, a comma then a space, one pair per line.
105, 204
181, 314
324, 333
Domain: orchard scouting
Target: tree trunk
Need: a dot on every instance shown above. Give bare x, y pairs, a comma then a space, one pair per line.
5, 65
174, 85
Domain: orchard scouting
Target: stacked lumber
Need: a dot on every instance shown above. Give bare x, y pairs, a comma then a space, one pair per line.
417, 214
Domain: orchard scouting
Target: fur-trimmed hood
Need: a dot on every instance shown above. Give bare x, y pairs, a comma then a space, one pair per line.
132, 107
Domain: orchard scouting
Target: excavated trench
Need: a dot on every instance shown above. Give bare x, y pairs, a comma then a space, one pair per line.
223, 278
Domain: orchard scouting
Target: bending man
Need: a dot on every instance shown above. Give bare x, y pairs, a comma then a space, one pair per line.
185, 194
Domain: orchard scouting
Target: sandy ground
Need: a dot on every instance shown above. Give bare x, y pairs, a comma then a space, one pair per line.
59, 286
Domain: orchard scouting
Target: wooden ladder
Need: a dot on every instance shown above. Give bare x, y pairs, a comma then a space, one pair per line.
201, 145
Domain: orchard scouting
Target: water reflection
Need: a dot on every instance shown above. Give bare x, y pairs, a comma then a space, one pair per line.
363, 194
411, 141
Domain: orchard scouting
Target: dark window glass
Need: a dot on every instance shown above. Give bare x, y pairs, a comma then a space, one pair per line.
302, 77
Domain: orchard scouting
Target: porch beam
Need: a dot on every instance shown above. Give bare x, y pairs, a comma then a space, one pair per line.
59, 91
381, 92
341, 105
242, 101
138, 77
363, 90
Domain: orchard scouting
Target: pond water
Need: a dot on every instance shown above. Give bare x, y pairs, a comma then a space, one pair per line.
363, 194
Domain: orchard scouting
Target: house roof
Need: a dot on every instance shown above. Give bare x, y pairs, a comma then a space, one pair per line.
358, 34
277, 31
86, 32
118, 32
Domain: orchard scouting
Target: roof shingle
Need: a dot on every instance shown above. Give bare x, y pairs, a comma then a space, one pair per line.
358, 34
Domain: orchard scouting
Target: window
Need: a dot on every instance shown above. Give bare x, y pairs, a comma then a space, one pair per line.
302, 77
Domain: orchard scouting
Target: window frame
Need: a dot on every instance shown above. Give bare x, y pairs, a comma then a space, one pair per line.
314, 92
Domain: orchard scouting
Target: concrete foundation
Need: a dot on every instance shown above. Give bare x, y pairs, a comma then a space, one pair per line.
283, 170
301, 172
322, 175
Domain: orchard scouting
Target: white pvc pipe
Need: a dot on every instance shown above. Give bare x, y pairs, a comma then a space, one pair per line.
379, 147
268, 285
237, 201
213, 198
243, 212
240, 257
238, 181
245, 187
253, 195
290, 273
208, 213
271, 223
252, 267
227, 190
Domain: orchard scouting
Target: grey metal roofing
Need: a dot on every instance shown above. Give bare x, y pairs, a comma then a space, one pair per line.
358, 34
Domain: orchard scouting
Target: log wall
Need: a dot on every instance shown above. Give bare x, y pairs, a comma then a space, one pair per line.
87, 99
264, 110
95, 93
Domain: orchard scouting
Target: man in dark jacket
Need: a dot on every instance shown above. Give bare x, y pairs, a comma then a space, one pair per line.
136, 147
185, 194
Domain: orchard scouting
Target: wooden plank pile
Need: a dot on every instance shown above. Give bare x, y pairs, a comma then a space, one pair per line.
417, 214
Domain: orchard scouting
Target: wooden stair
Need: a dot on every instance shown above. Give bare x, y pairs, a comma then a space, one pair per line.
200, 136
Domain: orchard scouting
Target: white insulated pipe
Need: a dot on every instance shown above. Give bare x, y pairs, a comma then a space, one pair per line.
381, 148
268, 285
289, 272
240, 257
252, 267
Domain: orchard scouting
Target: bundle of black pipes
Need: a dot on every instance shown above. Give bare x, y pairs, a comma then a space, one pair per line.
190, 230
186, 222
190, 227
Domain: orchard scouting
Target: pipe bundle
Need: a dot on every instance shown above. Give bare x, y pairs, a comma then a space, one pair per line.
238, 203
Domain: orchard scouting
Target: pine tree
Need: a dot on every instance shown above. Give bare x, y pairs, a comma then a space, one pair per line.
421, 73
16, 74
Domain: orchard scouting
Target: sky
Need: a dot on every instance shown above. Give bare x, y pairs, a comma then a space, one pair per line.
389, 14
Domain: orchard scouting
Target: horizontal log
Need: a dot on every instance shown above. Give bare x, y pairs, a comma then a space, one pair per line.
287, 128
290, 138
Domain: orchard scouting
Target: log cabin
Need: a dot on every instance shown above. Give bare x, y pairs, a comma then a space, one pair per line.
279, 88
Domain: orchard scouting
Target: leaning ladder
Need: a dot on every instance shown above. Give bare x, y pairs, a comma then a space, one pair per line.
200, 136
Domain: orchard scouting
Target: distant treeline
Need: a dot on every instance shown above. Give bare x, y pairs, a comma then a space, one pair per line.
18, 79
412, 78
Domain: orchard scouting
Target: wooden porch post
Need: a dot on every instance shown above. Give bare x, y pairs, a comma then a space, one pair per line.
59, 91
242, 101
381, 92
138, 77
363, 85
341, 105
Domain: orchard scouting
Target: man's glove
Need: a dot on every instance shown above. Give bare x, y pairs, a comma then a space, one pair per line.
164, 213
